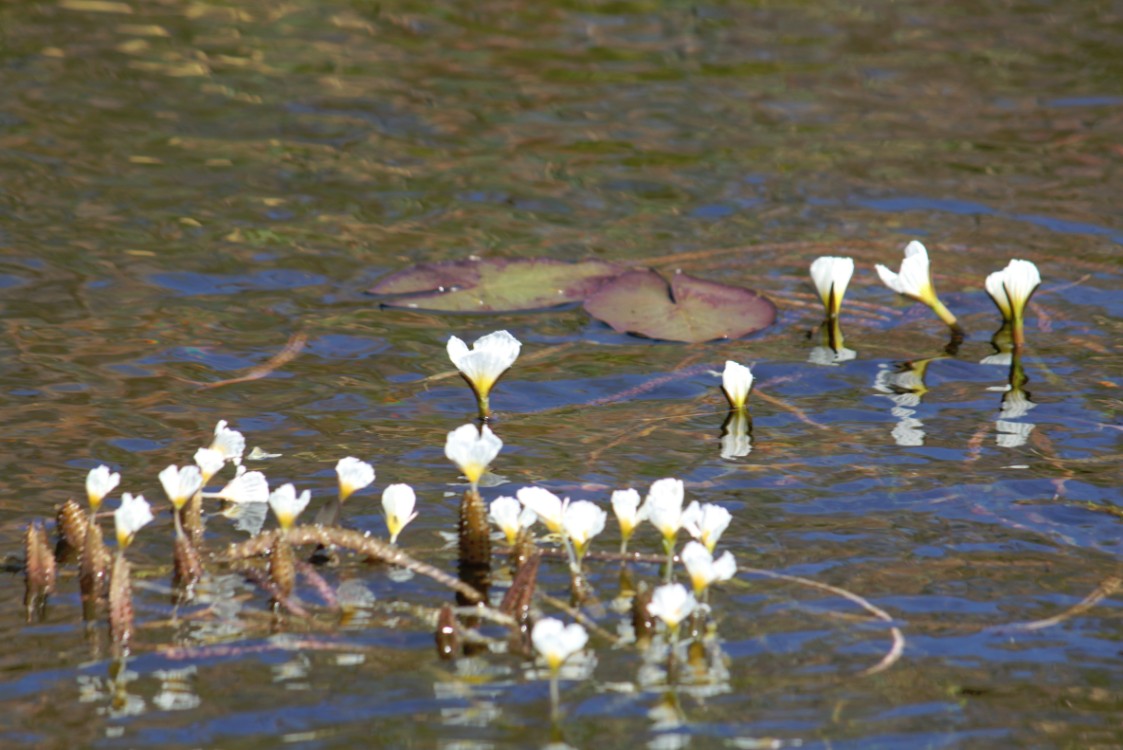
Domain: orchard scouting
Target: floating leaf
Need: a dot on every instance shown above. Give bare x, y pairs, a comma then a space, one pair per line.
493, 286
689, 309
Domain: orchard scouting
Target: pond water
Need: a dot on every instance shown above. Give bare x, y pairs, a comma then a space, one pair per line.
187, 184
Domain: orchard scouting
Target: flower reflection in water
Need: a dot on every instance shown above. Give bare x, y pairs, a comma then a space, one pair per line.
1015, 405
904, 385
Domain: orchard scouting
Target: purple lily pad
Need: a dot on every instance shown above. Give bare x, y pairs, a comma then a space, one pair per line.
494, 285
689, 309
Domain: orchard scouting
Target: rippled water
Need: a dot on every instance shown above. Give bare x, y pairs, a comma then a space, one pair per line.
186, 185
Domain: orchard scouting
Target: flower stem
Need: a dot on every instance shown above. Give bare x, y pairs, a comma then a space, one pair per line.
943, 313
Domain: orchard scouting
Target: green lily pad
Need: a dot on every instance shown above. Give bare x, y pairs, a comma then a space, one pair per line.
494, 285
688, 309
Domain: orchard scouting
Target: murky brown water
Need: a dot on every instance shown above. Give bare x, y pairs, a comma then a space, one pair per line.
185, 185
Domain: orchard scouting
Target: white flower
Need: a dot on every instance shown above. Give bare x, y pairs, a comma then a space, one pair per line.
353, 476
556, 641
133, 515
230, 443
1011, 287
245, 487
736, 381
549, 508
831, 276
286, 505
510, 516
626, 506
702, 567
583, 520
99, 483
472, 450
398, 501
181, 484
672, 604
706, 523
490, 357
209, 461
915, 280
664, 506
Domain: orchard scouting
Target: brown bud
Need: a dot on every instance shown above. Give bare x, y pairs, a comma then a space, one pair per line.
191, 518
475, 534
39, 570
120, 605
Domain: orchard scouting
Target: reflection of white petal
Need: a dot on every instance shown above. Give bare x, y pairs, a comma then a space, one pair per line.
736, 445
1015, 404
1012, 434
1002, 358
908, 432
906, 400
247, 517
824, 355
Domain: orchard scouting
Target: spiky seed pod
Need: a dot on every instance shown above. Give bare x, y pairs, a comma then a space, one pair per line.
188, 565
475, 546
643, 622
516, 602
120, 606
191, 518
282, 567
39, 570
475, 534
92, 567
447, 634
523, 548
71, 526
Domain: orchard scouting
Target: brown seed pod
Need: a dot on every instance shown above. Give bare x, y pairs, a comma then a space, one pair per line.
447, 634
91, 570
475, 534
120, 605
282, 567
516, 602
188, 564
71, 527
643, 622
39, 570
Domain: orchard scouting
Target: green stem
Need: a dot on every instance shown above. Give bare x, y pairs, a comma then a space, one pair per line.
943, 313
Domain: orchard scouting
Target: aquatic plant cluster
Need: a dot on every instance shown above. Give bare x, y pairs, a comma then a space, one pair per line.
658, 613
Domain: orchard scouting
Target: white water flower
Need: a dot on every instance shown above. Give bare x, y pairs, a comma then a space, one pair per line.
664, 507
130, 518
832, 275
626, 506
181, 484
511, 517
556, 641
583, 520
99, 483
472, 450
489, 358
549, 508
210, 462
1012, 287
287, 505
915, 280
353, 475
703, 569
706, 523
672, 604
736, 381
230, 443
245, 487
398, 502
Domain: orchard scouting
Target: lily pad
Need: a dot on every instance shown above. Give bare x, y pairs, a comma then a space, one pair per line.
493, 286
689, 309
